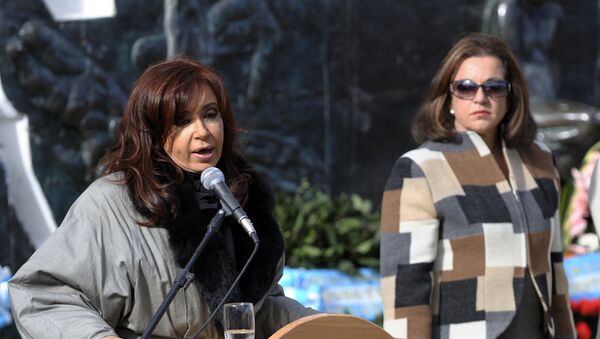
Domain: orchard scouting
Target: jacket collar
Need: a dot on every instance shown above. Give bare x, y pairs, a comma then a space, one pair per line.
217, 267
519, 177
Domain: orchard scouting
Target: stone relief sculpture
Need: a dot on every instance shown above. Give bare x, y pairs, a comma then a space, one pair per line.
242, 37
72, 104
530, 27
254, 23
24, 191
213, 30
70, 86
74, 95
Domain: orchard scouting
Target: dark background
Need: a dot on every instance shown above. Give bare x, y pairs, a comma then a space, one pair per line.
338, 81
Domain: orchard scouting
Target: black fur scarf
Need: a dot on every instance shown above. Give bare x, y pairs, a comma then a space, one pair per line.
215, 269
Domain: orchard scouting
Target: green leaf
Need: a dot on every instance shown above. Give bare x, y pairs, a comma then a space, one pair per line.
327, 232
365, 247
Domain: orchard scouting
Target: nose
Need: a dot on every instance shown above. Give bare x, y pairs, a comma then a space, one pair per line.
200, 130
480, 95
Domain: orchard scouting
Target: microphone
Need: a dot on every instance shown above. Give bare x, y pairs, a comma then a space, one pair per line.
213, 179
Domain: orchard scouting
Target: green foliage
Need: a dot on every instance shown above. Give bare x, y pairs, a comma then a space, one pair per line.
379, 320
564, 207
321, 232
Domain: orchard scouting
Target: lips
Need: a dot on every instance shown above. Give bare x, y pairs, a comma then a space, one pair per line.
203, 150
480, 113
203, 153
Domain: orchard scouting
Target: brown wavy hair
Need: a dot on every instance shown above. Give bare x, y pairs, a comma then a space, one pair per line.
433, 120
151, 176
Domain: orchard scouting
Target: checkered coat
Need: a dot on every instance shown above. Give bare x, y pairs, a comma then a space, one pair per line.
457, 238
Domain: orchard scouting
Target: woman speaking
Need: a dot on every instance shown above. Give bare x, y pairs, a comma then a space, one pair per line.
114, 258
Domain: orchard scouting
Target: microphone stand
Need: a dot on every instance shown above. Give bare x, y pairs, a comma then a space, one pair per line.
185, 277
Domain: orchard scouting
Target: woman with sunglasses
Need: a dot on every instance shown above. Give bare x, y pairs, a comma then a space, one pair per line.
470, 235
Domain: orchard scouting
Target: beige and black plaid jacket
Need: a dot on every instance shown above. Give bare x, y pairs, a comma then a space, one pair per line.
458, 237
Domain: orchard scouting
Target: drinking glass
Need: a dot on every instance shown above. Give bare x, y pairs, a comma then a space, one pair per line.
238, 321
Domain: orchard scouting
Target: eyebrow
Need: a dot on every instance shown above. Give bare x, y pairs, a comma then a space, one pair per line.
198, 109
211, 104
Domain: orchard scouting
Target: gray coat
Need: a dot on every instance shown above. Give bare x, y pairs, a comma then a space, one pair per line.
101, 274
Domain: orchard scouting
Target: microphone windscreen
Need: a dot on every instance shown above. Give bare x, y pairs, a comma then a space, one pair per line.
210, 177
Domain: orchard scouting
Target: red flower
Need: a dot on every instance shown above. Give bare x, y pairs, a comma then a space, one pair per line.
583, 330
589, 307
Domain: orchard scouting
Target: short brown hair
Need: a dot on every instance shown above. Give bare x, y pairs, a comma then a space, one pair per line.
433, 121
149, 115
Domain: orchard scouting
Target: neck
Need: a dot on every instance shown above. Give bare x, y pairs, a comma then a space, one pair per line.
492, 141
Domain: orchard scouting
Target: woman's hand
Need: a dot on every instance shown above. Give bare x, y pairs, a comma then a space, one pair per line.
111, 337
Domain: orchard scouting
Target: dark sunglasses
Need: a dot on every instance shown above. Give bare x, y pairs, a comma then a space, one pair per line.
467, 89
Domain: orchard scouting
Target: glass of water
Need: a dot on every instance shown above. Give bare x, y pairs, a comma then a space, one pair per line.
238, 321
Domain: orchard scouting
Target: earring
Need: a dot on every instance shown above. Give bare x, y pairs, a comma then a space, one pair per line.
451, 111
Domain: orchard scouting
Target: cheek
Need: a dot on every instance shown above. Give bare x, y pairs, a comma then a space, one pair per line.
219, 133
502, 108
175, 143
459, 107
456, 104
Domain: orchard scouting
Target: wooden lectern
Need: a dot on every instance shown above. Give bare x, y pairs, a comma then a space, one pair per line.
331, 326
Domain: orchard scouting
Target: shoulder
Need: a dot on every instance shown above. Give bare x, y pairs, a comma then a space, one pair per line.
104, 202
109, 184
409, 165
430, 158
106, 190
98, 217
536, 150
434, 151
539, 159
431, 149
